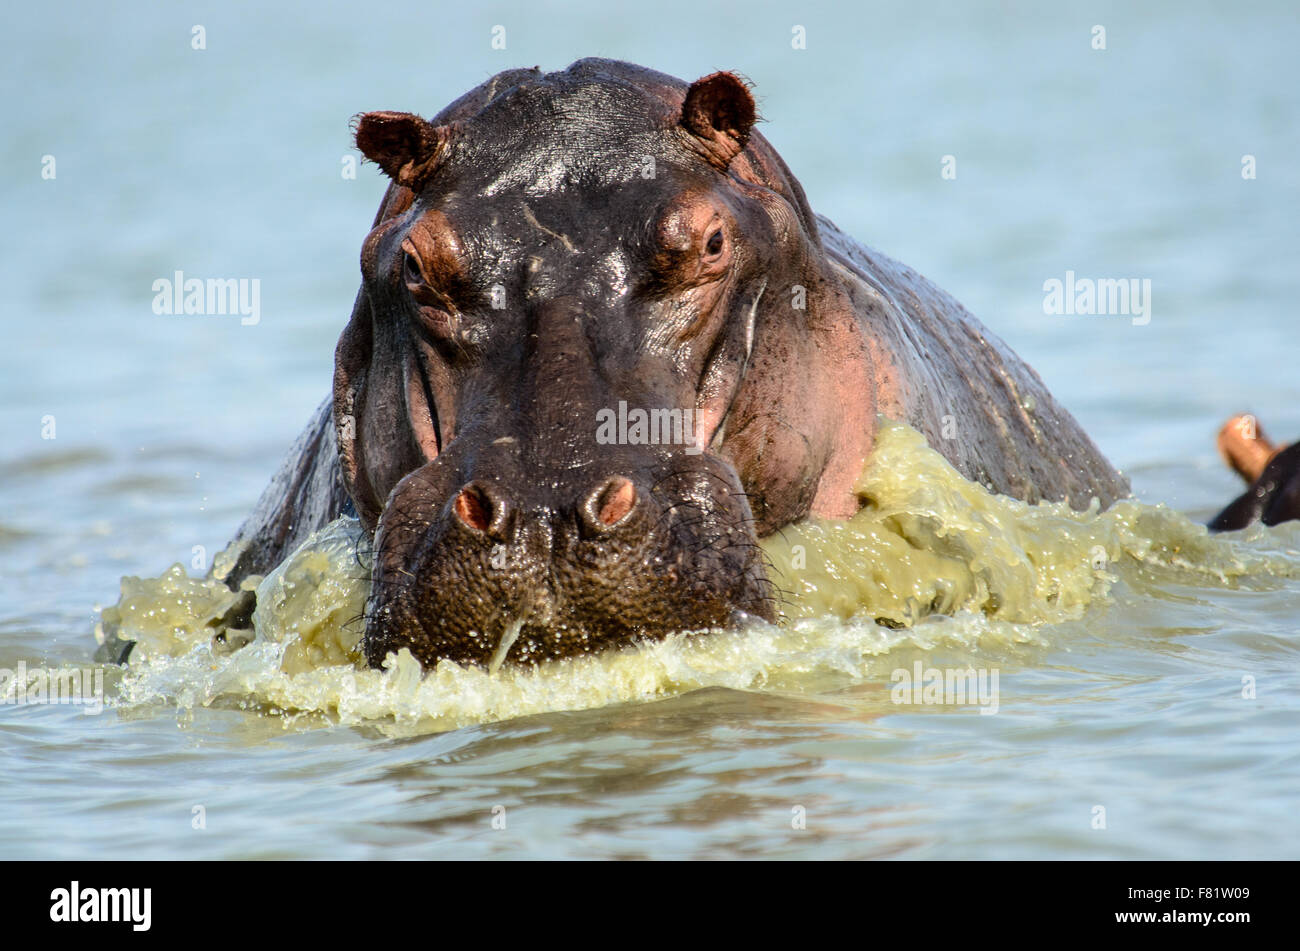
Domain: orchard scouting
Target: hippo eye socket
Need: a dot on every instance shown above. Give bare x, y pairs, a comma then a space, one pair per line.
714, 245
411, 270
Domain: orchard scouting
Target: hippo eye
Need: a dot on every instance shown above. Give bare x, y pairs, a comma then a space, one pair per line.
411, 270
714, 246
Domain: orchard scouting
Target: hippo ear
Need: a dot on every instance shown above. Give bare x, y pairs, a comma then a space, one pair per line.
719, 112
405, 146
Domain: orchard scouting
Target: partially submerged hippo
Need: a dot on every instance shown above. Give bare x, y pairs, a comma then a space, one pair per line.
1272, 473
562, 257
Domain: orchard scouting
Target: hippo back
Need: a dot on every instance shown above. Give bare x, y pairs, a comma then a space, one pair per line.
939, 370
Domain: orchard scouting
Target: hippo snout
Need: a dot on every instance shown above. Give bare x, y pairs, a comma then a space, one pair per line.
502, 567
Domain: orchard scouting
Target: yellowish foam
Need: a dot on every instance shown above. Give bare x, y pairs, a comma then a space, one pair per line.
311, 604
928, 541
314, 601
932, 557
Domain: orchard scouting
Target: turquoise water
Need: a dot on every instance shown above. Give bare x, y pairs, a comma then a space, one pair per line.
226, 162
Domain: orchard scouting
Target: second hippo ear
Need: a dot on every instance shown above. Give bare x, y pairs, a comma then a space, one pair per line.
719, 111
405, 146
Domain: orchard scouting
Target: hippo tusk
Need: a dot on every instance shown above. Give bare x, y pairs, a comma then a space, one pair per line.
508, 638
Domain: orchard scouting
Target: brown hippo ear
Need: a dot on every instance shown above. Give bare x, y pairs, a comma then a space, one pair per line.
405, 146
719, 111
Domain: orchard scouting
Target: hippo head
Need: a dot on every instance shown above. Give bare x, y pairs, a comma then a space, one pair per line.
596, 354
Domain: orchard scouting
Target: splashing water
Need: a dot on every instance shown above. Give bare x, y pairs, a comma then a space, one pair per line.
931, 559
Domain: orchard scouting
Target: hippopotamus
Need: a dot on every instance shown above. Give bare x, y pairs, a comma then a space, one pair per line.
560, 257
1271, 471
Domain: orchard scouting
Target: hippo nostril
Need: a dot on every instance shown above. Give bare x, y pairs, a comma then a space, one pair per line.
610, 504
474, 508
